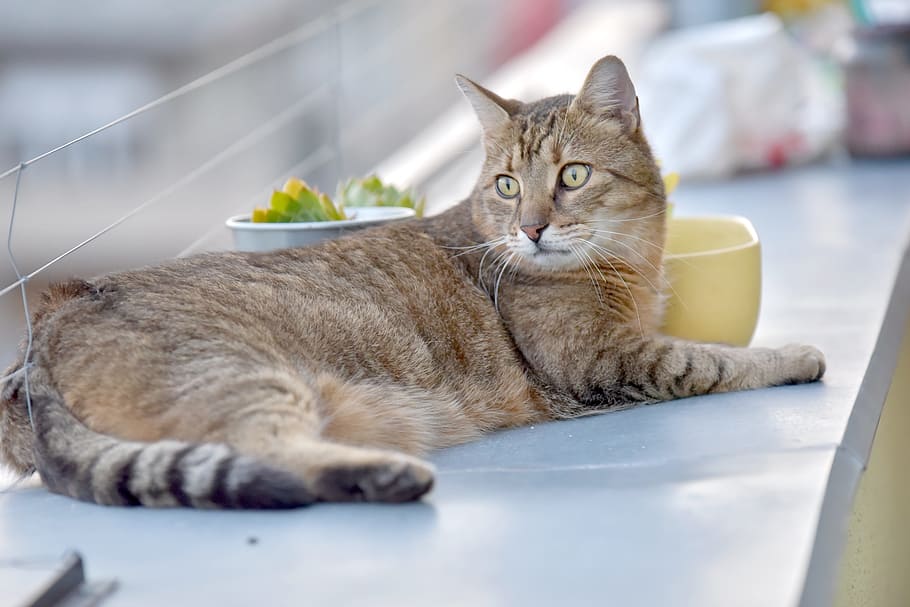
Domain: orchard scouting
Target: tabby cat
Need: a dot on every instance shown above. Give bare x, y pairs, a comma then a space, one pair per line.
270, 380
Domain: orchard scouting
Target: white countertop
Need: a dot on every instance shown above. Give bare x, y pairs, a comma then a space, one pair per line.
726, 499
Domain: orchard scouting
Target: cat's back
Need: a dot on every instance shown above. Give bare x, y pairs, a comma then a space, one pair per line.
397, 262
383, 302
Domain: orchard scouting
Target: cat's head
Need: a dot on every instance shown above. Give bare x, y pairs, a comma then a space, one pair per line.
569, 181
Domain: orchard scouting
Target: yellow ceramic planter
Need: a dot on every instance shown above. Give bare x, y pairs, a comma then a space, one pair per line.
714, 267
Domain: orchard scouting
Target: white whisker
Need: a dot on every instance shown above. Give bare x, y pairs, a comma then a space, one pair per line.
620, 258
514, 272
480, 279
656, 246
499, 280
632, 249
495, 263
644, 240
601, 249
598, 291
477, 247
660, 274
641, 328
660, 212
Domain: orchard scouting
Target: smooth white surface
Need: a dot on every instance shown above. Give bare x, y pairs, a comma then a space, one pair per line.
707, 501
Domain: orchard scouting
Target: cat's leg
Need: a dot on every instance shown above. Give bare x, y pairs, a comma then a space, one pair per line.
278, 418
637, 369
392, 416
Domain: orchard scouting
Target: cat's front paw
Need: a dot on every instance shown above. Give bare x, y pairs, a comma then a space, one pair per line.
801, 364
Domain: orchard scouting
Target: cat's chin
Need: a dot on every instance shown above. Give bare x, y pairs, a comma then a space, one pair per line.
553, 260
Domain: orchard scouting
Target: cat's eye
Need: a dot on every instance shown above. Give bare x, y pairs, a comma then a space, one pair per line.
506, 186
575, 175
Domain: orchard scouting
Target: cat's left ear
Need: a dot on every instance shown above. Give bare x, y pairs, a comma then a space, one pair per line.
492, 110
608, 91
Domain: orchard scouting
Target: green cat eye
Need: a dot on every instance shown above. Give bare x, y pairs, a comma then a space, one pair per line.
575, 175
506, 186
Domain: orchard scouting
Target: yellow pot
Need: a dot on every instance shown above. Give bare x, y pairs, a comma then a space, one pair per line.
714, 267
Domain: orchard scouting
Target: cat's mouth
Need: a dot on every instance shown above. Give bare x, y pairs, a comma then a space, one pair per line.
541, 251
552, 258
553, 251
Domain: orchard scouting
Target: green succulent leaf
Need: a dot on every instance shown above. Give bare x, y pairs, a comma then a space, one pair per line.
284, 204
274, 216
300, 202
371, 192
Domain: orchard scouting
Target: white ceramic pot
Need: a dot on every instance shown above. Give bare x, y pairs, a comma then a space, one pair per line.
249, 236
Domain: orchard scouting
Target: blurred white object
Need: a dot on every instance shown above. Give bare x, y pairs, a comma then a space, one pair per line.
883, 12
735, 95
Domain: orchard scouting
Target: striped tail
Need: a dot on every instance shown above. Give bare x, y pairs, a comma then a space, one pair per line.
73, 460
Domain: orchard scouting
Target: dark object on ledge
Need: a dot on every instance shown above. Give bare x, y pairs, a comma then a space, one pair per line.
68, 586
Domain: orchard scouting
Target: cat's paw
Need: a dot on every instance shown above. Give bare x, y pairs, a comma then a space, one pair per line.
388, 478
801, 364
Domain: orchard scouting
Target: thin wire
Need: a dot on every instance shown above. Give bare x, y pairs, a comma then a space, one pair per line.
14, 374
323, 154
296, 37
338, 86
305, 32
302, 34
235, 148
28, 319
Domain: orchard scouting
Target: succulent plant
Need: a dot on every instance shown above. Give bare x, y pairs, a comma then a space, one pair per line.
298, 202
371, 192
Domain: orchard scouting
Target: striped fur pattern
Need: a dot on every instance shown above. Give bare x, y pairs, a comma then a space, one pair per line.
163, 473
274, 380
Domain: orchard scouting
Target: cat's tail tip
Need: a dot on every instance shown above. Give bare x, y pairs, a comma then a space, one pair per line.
74, 460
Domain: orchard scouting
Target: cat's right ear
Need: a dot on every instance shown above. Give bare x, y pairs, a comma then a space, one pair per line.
492, 110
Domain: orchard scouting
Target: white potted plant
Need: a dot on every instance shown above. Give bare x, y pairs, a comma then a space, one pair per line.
299, 215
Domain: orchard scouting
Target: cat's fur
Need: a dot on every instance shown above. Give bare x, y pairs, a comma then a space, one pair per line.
279, 379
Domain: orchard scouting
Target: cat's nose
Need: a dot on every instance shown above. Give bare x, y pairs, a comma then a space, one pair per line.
533, 231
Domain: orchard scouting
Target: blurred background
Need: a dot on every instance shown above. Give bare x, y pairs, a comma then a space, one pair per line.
321, 89
235, 96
